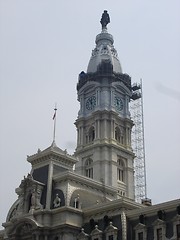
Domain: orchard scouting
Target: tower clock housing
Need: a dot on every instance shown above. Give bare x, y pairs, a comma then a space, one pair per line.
104, 124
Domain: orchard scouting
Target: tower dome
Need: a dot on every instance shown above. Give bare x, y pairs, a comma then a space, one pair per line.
104, 50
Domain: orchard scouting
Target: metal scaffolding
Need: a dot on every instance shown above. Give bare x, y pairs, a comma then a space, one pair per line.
138, 145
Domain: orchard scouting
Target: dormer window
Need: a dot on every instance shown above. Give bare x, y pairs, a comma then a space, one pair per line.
140, 232
176, 227
111, 232
96, 234
82, 235
159, 229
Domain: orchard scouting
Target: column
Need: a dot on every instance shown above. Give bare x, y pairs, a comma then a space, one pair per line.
124, 224
78, 136
105, 128
126, 136
49, 186
81, 135
112, 129
99, 132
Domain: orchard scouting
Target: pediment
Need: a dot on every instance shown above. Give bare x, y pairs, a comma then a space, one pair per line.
111, 228
139, 226
96, 231
82, 235
159, 222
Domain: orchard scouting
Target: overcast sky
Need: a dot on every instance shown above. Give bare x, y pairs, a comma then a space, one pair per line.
45, 44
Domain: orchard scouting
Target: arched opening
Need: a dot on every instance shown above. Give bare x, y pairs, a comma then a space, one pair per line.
23, 229
58, 199
119, 135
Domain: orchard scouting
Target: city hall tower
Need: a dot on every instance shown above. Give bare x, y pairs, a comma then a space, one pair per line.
104, 125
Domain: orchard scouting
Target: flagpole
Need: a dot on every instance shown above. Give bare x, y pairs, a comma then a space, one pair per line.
54, 118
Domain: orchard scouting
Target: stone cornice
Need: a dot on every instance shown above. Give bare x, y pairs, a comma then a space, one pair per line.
100, 115
150, 210
58, 210
52, 154
104, 143
123, 203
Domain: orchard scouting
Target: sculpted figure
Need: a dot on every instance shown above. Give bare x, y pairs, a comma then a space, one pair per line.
105, 19
57, 201
35, 200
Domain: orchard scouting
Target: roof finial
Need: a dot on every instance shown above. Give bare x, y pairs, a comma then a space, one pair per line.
105, 19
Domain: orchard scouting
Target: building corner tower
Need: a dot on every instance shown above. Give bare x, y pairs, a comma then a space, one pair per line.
104, 124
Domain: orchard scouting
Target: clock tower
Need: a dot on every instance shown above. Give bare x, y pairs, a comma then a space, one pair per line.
104, 125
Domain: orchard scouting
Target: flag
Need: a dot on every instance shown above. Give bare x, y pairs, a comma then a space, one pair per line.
54, 113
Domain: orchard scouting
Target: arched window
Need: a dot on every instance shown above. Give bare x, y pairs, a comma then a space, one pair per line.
90, 135
120, 170
89, 168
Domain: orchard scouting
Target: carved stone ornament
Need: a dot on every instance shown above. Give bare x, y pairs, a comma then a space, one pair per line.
25, 228
29, 195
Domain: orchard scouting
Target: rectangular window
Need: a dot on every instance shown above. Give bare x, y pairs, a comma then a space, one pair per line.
120, 175
96, 239
178, 231
110, 237
89, 172
159, 234
140, 236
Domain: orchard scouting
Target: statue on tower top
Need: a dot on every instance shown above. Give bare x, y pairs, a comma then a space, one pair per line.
105, 19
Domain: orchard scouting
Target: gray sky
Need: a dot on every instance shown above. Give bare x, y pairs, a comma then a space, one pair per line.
45, 44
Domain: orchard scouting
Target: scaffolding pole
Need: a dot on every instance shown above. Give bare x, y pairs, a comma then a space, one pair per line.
138, 143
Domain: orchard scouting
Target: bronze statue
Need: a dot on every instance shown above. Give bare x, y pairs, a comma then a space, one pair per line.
105, 19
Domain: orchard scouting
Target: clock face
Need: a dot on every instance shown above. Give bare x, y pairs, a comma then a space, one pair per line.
118, 103
91, 103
